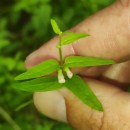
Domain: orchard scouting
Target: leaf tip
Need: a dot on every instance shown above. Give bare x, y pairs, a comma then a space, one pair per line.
99, 107
85, 35
55, 27
17, 78
20, 77
52, 20
112, 62
88, 35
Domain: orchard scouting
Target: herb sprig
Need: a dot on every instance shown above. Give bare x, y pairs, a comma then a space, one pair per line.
38, 78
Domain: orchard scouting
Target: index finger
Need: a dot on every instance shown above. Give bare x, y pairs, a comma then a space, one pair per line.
109, 38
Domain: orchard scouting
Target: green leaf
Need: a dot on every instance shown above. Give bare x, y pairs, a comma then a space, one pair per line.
39, 84
72, 37
82, 61
79, 88
41, 69
55, 27
23, 105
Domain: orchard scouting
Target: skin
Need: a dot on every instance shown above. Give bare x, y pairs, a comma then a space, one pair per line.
110, 38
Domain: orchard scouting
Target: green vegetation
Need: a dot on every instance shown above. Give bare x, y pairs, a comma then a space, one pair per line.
24, 26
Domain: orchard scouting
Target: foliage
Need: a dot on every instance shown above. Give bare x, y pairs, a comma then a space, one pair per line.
24, 26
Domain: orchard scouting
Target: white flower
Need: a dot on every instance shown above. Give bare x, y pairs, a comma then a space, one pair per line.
68, 72
61, 78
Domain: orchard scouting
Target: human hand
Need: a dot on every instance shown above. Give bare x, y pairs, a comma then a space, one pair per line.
110, 39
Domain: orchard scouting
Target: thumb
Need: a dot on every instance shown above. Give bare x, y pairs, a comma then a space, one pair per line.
109, 38
115, 103
65, 106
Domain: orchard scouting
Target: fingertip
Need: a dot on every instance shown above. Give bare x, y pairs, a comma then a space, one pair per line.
51, 104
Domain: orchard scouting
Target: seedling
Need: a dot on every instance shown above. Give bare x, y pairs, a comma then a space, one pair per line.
39, 79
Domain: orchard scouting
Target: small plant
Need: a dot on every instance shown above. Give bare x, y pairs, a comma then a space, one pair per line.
38, 78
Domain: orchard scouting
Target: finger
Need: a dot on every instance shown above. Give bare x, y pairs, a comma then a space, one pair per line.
109, 38
115, 116
115, 102
125, 3
93, 72
48, 51
51, 104
119, 73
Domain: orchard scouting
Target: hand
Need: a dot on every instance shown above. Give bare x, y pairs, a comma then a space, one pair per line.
110, 38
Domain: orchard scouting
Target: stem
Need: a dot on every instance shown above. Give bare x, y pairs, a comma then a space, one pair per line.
7, 117
24, 105
60, 50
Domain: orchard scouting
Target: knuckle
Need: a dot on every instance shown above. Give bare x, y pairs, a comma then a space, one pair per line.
125, 3
82, 117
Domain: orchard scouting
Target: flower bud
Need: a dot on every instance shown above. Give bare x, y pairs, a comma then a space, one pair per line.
61, 78
68, 72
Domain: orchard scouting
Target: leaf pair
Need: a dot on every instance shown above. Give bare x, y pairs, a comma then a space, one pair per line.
69, 37
76, 85
51, 66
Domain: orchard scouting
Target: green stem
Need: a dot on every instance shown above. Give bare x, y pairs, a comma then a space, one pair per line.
7, 117
60, 50
24, 105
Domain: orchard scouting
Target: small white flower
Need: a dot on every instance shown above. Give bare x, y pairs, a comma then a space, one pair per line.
68, 72
61, 78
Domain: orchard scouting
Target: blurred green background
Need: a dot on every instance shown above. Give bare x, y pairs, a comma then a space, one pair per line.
25, 26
